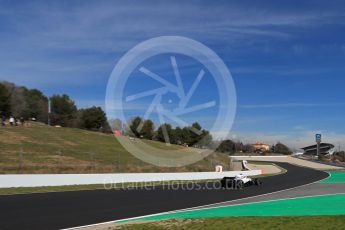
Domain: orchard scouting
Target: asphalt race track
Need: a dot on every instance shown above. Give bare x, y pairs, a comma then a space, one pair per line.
71, 209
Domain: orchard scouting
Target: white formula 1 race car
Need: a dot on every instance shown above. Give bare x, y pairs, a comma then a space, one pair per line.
239, 182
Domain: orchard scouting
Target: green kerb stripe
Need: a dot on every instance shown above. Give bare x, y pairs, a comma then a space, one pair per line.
336, 177
308, 206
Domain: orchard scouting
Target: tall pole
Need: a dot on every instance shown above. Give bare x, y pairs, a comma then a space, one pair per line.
318, 142
49, 110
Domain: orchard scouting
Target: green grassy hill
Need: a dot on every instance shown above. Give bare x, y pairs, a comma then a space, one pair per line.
37, 148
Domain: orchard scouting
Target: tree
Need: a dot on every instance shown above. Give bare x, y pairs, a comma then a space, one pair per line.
26, 103
281, 148
161, 133
206, 139
227, 146
5, 104
147, 130
186, 136
63, 111
172, 136
195, 137
134, 124
248, 148
272, 149
239, 146
36, 105
116, 124
93, 118
178, 135
17, 99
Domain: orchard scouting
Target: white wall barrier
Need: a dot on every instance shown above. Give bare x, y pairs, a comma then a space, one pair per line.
263, 157
38, 180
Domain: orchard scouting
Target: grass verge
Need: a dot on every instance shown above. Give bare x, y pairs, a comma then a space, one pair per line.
243, 223
36, 149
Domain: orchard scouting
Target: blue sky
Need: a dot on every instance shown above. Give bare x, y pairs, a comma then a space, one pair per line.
286, 58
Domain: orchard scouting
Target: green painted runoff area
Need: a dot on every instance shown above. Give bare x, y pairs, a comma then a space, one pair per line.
307, 206
336, 177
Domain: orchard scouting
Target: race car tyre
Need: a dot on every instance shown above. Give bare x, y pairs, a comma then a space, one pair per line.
240, 184
257, 182
227, 183
223, 183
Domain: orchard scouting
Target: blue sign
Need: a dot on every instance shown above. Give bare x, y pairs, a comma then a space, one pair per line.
318, 137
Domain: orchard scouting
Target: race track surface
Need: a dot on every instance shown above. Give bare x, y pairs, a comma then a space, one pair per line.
71, 209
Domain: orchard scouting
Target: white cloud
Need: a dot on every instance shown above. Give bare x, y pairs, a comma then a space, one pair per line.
52, 39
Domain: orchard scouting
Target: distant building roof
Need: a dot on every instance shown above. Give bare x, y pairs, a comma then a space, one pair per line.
261, 146
260, 143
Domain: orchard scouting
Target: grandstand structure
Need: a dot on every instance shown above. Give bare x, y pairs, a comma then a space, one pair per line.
325, 149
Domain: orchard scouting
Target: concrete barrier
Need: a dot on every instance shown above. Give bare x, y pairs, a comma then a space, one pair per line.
38, 180
288, 159
260, 157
